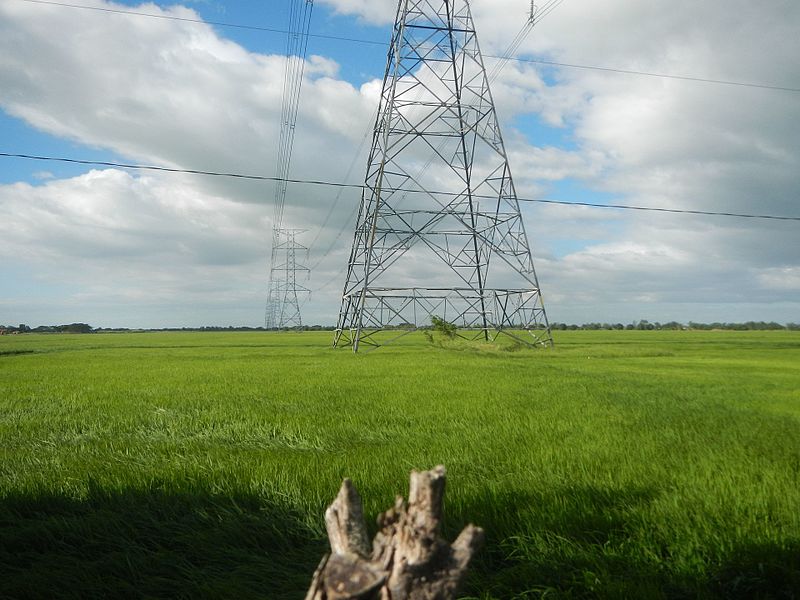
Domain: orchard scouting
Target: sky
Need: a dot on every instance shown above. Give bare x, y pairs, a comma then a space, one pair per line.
124, 248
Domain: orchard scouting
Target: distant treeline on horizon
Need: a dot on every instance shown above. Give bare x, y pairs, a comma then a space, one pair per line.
675, 326
643, 325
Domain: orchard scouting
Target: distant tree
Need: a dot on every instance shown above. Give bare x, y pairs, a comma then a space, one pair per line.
77, 328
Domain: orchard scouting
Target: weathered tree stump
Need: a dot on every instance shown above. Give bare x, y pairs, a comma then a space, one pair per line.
408, 560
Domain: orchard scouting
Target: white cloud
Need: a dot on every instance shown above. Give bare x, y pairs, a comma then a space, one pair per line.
552, 164
135, 242
378, 12
172, 93
109, 215
781, 278
164, 91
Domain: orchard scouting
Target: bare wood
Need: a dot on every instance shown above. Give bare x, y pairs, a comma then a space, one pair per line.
408, 560
344, 520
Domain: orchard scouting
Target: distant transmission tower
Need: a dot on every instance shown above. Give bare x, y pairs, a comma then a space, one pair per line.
283, 305
439, 231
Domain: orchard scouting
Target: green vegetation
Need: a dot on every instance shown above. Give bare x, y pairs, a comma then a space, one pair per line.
440, 331
447, 329
638, 464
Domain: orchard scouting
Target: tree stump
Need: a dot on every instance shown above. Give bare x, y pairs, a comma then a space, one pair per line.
408, 560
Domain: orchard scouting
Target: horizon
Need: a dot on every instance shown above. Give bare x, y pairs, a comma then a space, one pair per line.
640, 324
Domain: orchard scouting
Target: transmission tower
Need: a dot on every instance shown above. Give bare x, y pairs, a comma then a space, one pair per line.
283, 305
439, 230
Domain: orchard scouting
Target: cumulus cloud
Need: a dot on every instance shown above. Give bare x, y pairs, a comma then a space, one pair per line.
781, 278
672, 143
180, 94
139, 241
164, 91
378, 12
175, 94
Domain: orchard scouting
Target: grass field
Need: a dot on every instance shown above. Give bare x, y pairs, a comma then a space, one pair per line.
197, 465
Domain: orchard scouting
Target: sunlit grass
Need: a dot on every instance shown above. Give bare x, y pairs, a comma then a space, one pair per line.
618, 464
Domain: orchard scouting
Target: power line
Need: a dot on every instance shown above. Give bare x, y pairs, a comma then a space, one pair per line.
135, 13
166, 169
296, 53
536, 15
649, 74
361, 187
383, 44
347, 222
332, 280
335, 203
283, 307
661, 210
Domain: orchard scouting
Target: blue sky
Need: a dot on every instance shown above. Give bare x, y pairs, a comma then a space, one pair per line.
116, 248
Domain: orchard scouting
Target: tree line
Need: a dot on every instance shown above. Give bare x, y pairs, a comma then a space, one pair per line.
642, 325
71, 328
645, 325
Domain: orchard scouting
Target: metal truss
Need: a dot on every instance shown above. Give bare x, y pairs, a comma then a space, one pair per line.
283, 303
283, 307
439, 207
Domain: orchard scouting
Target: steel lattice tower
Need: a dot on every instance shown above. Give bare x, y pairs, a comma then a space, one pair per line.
283, 304
283, 307
439, 207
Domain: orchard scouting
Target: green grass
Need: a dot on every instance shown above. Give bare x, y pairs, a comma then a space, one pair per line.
617, 465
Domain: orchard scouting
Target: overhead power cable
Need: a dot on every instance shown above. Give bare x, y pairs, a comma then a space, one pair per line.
361, 187
659, 75
383, 44
282, 304
537, 14
335, 203
681, 211
136, 13
296, 54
